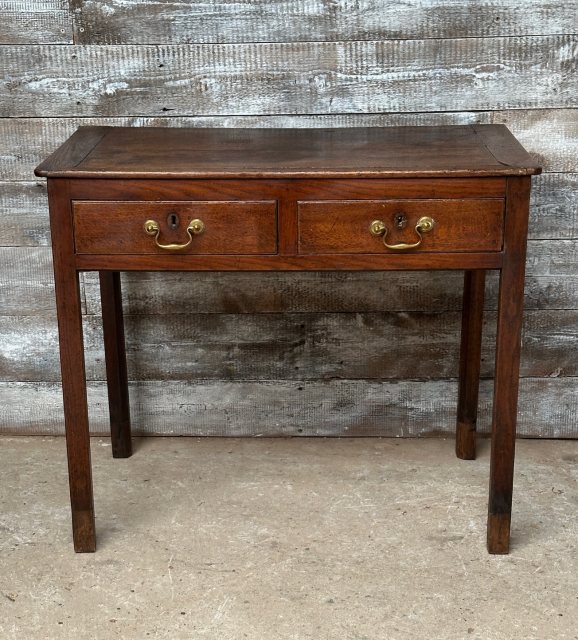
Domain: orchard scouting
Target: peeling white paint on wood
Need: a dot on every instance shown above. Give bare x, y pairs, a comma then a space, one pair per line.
35, 22
293, 408
324, 291
231, 21
24, 214
291, 78
27, 282
388, 345
27, 287
447, 62
554, 206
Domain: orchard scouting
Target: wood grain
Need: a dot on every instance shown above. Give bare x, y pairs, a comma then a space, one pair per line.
241, 227
149, 153
507, 365
554, 206
34, 76
405, 408
303, 78
470, 361
24, 214
68, 302
343, 226
35, 22
27, 282
390, 345
175, 293
175, 22
115, 358
168, 293
24, 210
550, 135
551, 283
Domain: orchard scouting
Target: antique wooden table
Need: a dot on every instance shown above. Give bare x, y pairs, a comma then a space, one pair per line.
155, 199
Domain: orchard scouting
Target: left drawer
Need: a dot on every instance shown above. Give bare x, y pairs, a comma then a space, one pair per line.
180, 227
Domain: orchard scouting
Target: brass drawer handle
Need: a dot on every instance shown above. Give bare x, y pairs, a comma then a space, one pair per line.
195, 228
377, 228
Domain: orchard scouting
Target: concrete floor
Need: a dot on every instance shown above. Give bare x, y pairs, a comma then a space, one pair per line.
352, 539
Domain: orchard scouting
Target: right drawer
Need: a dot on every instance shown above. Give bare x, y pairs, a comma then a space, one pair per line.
378, 226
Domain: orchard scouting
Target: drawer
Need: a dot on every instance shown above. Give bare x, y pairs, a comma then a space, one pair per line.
343, 226
231, 227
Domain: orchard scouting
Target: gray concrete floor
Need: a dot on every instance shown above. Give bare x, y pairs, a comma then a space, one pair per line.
352, 539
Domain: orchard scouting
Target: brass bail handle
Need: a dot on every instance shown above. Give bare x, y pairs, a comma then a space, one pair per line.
378, 229
195, 227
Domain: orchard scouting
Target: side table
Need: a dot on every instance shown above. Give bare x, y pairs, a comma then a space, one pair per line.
375, 199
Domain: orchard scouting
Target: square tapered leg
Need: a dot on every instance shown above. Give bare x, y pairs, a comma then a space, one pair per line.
509, 330
68, 303
115, 355
470, 359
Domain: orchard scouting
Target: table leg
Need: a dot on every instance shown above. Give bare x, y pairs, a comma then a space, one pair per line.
470, 358
509, 330
75, 409
115, 355
69, 311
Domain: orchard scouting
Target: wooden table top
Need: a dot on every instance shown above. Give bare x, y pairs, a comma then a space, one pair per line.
155, 152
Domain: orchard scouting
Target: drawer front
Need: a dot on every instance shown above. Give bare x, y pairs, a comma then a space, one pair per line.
343, 226
231, 227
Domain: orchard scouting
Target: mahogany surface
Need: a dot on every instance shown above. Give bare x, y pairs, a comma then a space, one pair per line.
481, 149
115, 227
290, 199
340, 226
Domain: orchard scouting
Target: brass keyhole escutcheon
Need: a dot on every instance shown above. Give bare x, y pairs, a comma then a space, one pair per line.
401, 220
172, 220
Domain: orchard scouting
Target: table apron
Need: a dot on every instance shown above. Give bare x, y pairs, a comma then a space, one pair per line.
364, 262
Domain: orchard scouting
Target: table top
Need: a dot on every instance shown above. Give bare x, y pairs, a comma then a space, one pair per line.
158, 152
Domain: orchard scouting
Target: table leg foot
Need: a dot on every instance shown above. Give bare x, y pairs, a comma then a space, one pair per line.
122, 442
499, 533
466, 440
83, 531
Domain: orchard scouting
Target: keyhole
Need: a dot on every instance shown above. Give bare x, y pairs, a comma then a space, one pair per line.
400, 220
173, 220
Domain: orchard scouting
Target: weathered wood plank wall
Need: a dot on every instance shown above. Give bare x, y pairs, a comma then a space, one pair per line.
311, 354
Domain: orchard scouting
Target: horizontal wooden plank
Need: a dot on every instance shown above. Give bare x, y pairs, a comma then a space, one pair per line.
307, 78
35, 22
551, 282
547, 292
547, 258
544, 258
554, 206
482, 150
24, 210
547, 408
186, 293
551, 135
175, 22
24, 214
27, 288
27, 283
288, 346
